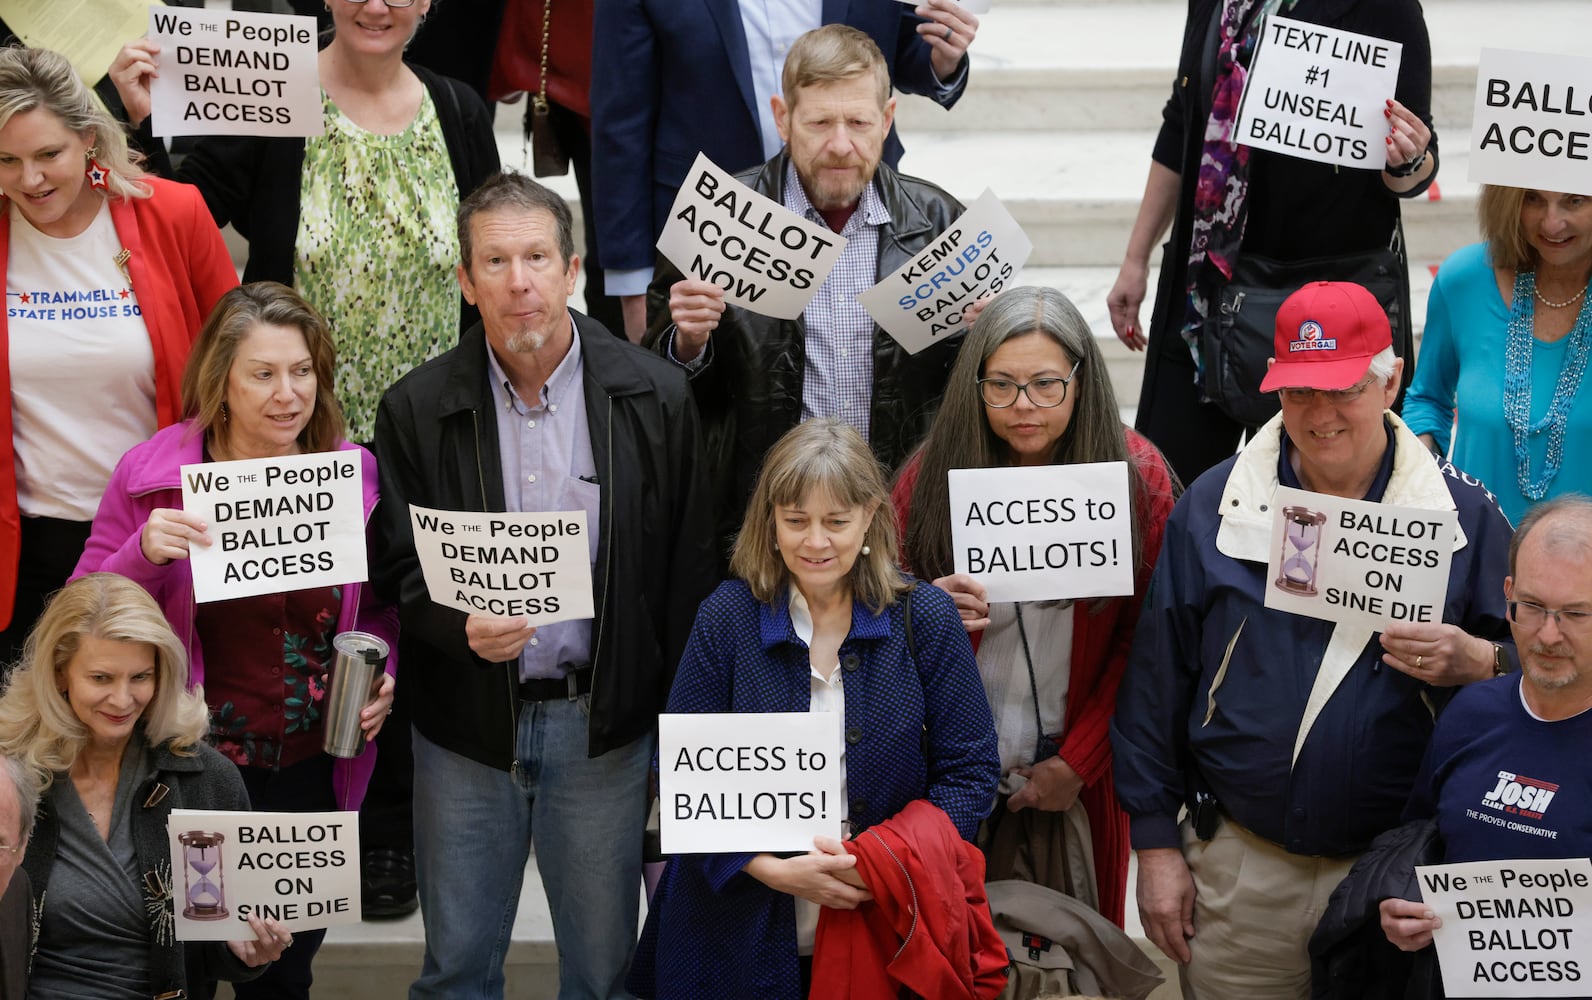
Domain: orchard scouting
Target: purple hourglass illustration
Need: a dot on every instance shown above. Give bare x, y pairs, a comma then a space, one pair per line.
1301, 545
201, 876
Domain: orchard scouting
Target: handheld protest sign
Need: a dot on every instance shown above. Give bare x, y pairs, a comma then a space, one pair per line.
530, 565
767, 258
277, 524
1044, 533
922, 302
755, 781
1531, 123
1357, 562
89, 33
1319, 94
234, 73
299, 868
1512, 928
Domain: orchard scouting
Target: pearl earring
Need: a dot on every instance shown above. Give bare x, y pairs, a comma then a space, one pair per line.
866, 550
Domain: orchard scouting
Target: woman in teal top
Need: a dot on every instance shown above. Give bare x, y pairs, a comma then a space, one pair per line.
1500, 385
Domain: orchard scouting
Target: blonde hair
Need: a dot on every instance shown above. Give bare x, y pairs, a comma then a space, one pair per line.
39, 79
38, 728
1498, 211
827, 455
832, 53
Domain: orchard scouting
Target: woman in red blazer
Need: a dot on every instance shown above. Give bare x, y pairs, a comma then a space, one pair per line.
109, 274
1030, 388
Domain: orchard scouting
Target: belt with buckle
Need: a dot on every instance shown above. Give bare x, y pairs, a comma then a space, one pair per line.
571, 686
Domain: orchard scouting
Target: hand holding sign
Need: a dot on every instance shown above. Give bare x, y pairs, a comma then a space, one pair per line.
1437, 653
1408, 925
271, 939
131, 72
1408, 137
496, 639
695, 307
168, 533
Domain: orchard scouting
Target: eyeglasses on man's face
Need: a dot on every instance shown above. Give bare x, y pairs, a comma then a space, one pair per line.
1337, 397
1045, 393
1533, 616
386, 3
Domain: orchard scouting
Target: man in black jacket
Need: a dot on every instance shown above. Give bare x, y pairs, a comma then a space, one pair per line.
756, 377
542, 735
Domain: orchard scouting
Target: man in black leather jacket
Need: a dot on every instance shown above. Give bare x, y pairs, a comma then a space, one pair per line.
755, 377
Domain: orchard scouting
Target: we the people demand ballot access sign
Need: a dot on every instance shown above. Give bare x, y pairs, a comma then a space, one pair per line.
234, 73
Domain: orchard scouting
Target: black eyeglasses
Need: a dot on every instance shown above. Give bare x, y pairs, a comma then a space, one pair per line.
1045, 392
1534, 616
1337, 397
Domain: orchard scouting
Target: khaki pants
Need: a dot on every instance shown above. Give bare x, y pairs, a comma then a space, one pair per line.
1255, 907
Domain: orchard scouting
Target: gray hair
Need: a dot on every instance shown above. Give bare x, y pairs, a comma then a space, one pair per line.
510, 189
27, 792
960, 436
1382, 365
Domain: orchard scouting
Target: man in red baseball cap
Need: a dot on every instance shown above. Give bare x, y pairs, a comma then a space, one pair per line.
1288, 738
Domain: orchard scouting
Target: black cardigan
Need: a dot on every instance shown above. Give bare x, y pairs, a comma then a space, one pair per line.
202, 780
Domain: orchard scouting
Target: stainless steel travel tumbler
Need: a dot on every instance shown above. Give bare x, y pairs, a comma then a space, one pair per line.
356, 677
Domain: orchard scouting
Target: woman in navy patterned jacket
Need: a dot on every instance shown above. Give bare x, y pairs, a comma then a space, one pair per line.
817, 620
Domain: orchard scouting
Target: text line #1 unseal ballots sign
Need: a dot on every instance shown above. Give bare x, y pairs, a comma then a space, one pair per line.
277, 524
531, 565
234, 73
1319, 94
767, 258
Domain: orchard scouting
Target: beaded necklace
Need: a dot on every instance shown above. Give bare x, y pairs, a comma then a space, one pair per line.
1517, 386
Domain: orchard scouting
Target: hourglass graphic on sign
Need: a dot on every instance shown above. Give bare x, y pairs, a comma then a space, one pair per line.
1301, 546
201, 876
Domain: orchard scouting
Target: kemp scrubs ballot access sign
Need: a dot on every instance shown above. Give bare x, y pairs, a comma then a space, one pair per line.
755, 781
299, 868
277, 524
1045, 533
1357, 562
767, 258
234, 73
1319, 94
536, 566
1532, 123
921, 303
1512, 928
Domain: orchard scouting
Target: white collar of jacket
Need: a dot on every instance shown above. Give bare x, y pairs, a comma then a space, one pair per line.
1246, 523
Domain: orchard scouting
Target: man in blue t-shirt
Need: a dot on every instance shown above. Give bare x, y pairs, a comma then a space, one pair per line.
1506, 774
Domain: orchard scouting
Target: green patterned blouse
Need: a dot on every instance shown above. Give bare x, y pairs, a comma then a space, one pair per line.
376, 252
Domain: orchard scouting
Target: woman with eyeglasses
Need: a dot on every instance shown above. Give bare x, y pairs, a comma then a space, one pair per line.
1030, 387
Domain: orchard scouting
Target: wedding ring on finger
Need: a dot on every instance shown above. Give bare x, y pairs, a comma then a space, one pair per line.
948, 32
1419, 659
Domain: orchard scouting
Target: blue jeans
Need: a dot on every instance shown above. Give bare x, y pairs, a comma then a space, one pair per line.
474, 826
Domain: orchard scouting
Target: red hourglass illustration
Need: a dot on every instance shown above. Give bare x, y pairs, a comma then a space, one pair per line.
1301, 545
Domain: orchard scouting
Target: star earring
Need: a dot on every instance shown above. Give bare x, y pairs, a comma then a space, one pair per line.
98, 177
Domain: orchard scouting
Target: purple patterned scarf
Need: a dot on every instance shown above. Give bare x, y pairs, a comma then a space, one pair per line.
1223, 184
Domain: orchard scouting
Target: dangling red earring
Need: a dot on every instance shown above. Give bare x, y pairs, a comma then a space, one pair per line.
98, 177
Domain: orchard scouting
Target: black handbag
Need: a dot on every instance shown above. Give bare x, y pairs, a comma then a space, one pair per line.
1238, 336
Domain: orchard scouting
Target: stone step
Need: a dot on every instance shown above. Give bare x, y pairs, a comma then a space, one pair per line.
378, 960
1110, 65
1076, 194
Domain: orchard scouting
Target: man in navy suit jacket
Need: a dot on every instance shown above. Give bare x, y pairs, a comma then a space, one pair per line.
671, 78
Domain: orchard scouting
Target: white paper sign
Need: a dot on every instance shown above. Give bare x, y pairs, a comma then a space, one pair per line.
767, 258
234, 73
1532, 125
748, 781
1319, 94
971, 6
1044, 533
1512, 928
277, 524
531, 565
299, 868
1358, 562
922, 302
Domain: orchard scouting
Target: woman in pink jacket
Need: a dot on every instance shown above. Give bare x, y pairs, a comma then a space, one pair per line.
258, 385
